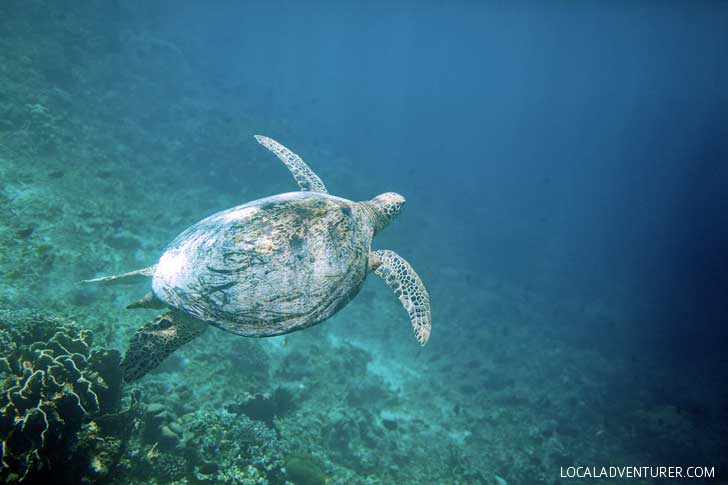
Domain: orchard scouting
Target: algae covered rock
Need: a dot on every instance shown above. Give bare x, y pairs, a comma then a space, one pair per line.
264, 407
53, 385
304, 470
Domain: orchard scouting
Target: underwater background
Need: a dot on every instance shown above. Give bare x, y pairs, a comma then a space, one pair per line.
564, 165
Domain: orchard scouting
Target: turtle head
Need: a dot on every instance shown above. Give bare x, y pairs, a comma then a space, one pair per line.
385, 207
156, 340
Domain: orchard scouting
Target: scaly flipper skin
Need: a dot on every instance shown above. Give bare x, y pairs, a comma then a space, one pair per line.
129, 278
306, 178
156, 340
408, 287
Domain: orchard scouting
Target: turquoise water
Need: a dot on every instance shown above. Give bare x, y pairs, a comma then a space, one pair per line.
564, 172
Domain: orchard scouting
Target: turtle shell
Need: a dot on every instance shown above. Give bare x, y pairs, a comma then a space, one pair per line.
270, 266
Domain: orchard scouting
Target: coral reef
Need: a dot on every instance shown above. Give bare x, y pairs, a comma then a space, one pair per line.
242, 448
54, 385
203, 446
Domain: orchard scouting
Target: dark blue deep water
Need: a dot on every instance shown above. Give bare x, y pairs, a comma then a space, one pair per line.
565, 171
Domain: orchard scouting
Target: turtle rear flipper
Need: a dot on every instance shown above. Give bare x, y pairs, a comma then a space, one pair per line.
156, 340
136, 276
149, 300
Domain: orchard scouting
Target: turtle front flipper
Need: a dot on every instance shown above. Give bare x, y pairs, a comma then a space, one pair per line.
408, 287
305, 177
156, 340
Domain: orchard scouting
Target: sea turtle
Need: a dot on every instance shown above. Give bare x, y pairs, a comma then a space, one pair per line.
269, 267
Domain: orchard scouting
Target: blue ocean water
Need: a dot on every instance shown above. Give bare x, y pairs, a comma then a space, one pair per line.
564, 170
